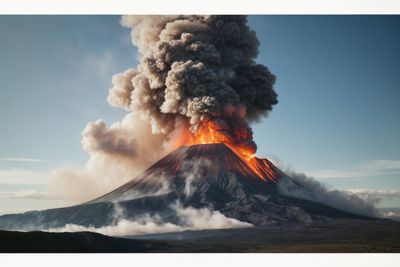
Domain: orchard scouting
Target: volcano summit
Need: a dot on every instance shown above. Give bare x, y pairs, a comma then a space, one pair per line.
205, 176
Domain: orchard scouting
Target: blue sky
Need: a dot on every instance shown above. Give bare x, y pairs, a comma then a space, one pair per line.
337, 78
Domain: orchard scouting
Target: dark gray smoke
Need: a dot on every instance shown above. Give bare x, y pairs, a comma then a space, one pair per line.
196, 69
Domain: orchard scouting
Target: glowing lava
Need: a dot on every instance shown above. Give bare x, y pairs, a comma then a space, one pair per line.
260, 167
210, 134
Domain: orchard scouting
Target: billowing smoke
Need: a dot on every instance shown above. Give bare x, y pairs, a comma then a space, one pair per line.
301, 186
117, 154
193, 70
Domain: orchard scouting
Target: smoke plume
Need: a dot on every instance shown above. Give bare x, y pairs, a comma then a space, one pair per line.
301, 186
193, 71
116, 155
196, 69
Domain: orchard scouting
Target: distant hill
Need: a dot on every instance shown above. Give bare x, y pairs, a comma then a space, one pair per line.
27, 242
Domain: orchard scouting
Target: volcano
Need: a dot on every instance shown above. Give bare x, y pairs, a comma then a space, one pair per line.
208, 176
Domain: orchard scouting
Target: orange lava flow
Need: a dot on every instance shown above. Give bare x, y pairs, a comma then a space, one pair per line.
209, 134
260, 167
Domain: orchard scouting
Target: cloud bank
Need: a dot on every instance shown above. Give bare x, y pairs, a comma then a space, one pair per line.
27, 194
191, 218
373, 168
21, 160
358, 201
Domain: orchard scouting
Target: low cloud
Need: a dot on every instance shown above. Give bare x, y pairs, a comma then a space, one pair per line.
21, 160
191, 219
301, 186
27, 194
374, 196
391, 215
367, 169
358, 201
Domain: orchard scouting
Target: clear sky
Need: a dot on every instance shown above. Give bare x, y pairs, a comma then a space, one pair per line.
338, 80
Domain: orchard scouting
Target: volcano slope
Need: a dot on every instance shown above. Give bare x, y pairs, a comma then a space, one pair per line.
208, 176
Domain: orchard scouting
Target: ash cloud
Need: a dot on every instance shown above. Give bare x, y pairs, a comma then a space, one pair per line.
192, 70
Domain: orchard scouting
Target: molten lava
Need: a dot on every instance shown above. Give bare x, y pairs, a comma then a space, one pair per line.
260, 167
208, 133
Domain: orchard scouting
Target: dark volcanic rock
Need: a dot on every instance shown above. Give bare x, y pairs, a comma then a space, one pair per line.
41, 242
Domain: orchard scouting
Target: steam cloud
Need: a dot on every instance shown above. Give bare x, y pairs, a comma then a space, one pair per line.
193, 70
192, 219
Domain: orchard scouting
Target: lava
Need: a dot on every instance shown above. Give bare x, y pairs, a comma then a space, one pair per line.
209, 133
260, 167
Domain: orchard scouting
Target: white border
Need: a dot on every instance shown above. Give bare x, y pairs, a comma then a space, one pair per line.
201, 260
118, 7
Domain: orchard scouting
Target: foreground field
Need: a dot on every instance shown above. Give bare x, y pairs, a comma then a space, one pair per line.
344, 236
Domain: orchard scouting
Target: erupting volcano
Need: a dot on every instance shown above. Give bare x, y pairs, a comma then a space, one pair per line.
209, 133
201, 176
196, 89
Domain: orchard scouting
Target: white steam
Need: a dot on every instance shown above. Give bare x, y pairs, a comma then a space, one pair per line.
194, 172
191, 218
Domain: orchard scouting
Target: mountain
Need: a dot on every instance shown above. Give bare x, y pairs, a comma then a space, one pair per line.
208, 176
